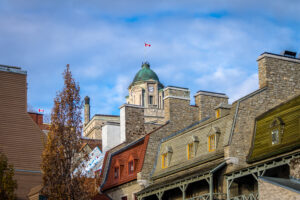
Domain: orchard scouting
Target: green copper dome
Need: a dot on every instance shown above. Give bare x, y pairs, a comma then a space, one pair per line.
145, 74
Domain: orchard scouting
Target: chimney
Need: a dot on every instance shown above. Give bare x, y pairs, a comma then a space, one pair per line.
131, 122
177, 107
86, 110
208, 101
277, 71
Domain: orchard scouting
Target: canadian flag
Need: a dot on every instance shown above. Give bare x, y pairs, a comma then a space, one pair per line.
41, 110
147, 45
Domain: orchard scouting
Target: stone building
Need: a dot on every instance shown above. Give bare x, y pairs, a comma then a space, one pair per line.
20, 137
213, 150
145, 91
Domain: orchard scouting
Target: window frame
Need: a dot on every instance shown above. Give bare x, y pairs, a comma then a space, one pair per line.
164, 160
116, 172
218, 113
212, 139
130, 172
190, 151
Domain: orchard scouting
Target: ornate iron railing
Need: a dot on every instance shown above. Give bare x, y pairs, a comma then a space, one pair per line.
216, 196
251, 196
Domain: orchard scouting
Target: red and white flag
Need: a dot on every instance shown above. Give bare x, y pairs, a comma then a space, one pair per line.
147, 45
41, 110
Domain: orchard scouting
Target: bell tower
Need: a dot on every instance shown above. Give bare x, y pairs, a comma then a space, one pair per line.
146, 89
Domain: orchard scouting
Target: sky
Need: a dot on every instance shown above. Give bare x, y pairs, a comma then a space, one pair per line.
202, 45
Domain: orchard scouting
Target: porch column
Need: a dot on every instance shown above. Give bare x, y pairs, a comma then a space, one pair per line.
183, 189
211, 186
228, 184
159, 195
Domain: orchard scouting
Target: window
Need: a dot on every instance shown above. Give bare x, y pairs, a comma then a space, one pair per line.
151, 100
190, 151
124, 198
130, 167
275, 137
116, 172
164, 160
212, 142
218, 113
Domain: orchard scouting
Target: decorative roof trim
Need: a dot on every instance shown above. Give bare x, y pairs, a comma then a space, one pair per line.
176, 88
214, 94
281, 57
13, 69
175, 97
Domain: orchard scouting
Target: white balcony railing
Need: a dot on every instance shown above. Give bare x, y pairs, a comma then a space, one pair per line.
251, 196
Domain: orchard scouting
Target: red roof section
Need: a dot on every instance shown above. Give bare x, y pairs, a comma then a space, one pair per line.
135, 153
101, 197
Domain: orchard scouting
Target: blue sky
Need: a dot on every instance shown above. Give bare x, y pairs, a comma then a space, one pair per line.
203, 45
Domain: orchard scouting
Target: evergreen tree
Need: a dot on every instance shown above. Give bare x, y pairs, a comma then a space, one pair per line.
63, 144
7, 184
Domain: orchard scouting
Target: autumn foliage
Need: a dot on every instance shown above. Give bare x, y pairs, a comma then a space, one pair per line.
7, 183
62, 146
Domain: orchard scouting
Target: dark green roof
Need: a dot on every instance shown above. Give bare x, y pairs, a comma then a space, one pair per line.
145, 74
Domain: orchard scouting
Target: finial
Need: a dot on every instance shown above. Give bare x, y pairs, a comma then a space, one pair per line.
146, 64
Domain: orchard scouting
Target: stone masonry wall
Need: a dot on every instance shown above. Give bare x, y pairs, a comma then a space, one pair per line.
268, 191
134, 122
282, 80
128, 190
295, 168
180, 114
207, 104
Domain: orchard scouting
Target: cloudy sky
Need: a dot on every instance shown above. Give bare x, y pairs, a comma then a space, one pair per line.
203, 45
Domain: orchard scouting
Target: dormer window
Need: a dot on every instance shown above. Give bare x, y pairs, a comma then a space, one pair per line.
190, 151
218, 113
166, 157
130, 167
117, 172
212, 143
192, 147
164, 162
213, 137
275, 136
277, 127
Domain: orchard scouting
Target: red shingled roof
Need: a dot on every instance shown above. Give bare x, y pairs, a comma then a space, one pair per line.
135, 153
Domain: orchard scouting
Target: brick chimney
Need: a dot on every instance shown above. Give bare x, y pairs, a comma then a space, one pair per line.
208, 101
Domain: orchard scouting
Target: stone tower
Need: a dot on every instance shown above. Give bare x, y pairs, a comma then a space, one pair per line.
146, 89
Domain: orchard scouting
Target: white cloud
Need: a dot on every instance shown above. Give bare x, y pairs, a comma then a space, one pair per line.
105, 50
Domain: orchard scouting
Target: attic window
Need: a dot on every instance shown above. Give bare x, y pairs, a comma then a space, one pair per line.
166, 157
190, 151
116, 172
275, 137
130, 167
164, 162
218, 113
212, 143
277, 128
